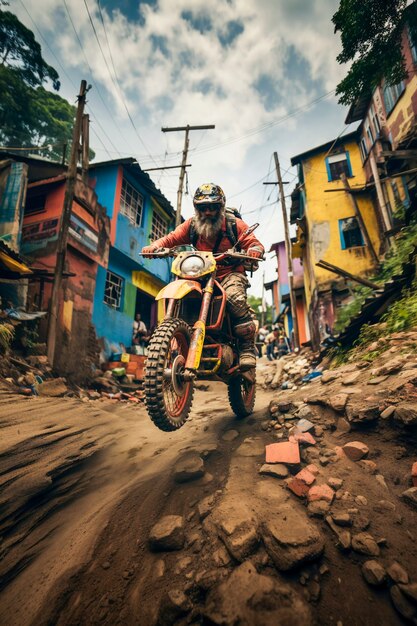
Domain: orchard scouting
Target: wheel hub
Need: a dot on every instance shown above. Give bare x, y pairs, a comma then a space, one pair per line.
177, 379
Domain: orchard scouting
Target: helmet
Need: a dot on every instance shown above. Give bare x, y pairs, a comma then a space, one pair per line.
209, 193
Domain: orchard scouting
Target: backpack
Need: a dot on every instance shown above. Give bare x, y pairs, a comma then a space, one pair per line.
231, 229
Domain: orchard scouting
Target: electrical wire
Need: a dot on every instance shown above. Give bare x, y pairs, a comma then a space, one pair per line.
115, 80
55, 57
94, 84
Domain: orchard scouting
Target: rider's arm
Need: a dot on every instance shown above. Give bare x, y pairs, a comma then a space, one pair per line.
179, 236
249, 243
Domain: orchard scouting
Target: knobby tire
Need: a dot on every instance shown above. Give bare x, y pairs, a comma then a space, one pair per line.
157, 389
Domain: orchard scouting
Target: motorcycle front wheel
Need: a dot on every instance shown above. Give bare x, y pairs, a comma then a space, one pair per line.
242, 393
168, 398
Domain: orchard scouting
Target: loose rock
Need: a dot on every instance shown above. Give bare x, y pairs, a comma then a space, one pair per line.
373, 573
248, 598
278, 470
410, 496
321, 492
355, 450
397, 573
168, 533
406, 412
364, 543
291, 540
189, 467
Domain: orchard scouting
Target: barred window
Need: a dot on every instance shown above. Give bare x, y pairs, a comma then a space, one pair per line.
159, 227
338, 164
131, 203
350, 233
113, 290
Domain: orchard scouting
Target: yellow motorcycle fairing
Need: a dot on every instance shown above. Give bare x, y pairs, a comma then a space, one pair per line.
178, 289
207, 258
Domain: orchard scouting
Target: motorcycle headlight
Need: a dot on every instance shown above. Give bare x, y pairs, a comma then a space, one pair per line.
192, 265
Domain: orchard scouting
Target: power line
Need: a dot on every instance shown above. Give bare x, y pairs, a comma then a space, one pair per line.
115, 81
58, 61
268, 125
94, 84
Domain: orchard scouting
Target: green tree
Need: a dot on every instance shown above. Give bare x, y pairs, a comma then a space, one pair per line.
255, 302
30, 115
371, 33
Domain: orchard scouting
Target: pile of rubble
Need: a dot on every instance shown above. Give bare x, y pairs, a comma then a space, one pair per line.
292, 370
33, 376
338, 476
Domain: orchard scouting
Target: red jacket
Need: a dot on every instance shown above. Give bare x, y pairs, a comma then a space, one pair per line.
181, 235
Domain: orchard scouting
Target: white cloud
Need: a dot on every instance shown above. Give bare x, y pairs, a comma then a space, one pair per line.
191, 78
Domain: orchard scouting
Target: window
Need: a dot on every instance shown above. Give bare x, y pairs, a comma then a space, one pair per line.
350, 233
35, 203
338, 164
391, 95
131, 203
363, 148
159, 227
375, 120
369, 134
113, 290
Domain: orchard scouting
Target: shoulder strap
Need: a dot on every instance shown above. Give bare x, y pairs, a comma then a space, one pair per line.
193, 233
231, 229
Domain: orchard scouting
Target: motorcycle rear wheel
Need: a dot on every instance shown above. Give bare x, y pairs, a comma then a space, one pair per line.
168, 401
242, 394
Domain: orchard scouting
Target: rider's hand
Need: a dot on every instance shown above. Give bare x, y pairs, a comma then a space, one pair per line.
253, 252
151, 249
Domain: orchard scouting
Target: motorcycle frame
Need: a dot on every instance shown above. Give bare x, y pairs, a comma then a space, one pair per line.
198, 335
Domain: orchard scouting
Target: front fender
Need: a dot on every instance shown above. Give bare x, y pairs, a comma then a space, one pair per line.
178, 289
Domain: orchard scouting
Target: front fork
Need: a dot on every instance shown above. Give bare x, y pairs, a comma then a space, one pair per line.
199, 330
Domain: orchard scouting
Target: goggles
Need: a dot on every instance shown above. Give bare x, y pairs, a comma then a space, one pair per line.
203, 208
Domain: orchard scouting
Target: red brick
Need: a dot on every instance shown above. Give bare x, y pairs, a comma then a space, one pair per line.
414, 474
303, 438
305, 476
321, 492
298, 487
313, 469
282, 452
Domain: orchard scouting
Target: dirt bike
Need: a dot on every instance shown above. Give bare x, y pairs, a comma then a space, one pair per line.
195, 340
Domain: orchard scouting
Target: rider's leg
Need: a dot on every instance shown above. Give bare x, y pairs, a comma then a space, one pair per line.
235, 285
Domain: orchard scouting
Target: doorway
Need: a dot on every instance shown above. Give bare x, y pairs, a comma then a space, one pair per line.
147, 307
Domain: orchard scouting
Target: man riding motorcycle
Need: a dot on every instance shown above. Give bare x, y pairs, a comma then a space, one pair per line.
209, 225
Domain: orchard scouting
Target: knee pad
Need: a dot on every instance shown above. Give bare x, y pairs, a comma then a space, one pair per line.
245, 330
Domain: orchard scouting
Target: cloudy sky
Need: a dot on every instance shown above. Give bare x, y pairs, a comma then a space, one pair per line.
263, 71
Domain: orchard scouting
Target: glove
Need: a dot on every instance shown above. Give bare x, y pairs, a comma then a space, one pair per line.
253, 252
149, 249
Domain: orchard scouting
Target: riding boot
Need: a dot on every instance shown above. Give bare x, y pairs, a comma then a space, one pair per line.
245, 331
247, 355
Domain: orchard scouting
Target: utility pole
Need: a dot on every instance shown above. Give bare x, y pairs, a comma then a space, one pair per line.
262, 301
184, 161
65, 222
289, 254
85, 143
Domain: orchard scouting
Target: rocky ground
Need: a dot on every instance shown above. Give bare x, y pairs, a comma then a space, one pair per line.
304, 513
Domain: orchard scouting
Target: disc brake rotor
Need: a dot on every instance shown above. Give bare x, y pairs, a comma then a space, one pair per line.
176, 379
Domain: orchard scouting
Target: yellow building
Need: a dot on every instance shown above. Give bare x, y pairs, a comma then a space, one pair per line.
337, 225
388, 141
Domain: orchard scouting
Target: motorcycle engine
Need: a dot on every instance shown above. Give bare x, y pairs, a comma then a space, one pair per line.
227, 358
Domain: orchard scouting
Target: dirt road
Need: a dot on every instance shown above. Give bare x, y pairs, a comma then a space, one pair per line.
83, 485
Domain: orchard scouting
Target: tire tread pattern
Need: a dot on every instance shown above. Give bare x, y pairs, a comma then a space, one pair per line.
154, 375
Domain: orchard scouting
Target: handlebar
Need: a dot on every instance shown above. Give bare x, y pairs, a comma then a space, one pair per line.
167, 252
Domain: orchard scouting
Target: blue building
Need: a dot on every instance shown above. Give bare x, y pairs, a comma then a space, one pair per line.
139, 213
